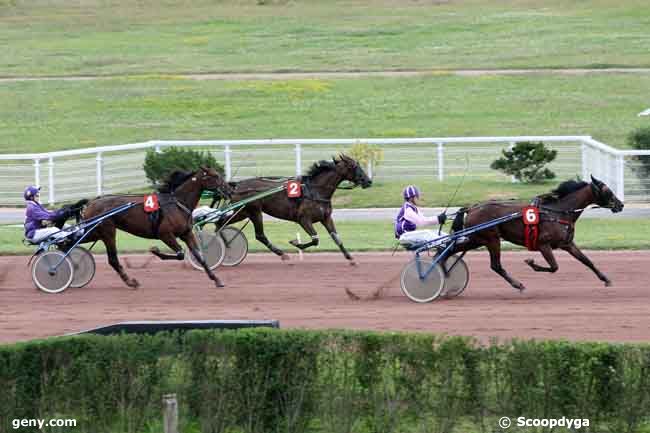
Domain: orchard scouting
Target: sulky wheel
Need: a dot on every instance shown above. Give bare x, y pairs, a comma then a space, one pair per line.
83, 265
422, 289
457, 277
236, 246
211, 248
48, 278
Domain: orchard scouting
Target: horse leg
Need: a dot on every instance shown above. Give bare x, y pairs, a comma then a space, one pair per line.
494, 247
108, 237
329, 225
190, 241
547, 253
311, 231
575, 252
169, 240
256, 217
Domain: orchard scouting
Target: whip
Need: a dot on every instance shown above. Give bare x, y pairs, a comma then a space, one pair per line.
456, 191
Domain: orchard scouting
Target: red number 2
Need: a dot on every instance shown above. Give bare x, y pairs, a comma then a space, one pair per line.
293, 189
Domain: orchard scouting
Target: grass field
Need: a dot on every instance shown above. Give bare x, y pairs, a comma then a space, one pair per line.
42, 37
388, 193
53, 115
601, 234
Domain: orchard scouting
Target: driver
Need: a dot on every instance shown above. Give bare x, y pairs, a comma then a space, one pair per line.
36, 216
409, 219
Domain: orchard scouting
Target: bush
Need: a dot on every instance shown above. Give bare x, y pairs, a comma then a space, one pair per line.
366, 153
640, 139
157, 166
526, 161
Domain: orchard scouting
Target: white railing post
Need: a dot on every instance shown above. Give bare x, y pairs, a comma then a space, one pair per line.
227, 162
99, 173
609, 161
170, 413
441, 162
37, 172
157, 148
585, 162
50, 183
600, 165
298, 159
620, 177
369, 169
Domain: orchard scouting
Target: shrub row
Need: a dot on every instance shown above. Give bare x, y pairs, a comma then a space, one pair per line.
302, 381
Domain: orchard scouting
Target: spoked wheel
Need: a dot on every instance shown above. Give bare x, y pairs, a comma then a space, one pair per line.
236, 245
49, 279
83, 265
212, 249
457, 278
422, 289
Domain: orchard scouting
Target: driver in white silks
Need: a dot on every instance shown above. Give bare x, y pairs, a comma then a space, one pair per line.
409, 219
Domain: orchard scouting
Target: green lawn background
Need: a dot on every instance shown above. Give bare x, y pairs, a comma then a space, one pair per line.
43, 37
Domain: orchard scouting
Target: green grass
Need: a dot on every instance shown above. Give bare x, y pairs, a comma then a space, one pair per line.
54, 115
598, 234
388, 193
41, 37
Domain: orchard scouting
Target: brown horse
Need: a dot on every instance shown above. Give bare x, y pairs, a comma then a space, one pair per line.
559, 212
315, 204
177, 198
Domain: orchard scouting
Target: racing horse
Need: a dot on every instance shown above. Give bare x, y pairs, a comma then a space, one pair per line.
314, 205
558, 211
177, 197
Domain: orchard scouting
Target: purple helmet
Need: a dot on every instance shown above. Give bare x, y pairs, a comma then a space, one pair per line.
410, 192
30, 192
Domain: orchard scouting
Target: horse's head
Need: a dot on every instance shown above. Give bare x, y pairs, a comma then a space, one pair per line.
211, 180
604, 196
351, 170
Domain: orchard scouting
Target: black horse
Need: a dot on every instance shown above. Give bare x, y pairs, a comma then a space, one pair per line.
314, 205
178, 196
559, 212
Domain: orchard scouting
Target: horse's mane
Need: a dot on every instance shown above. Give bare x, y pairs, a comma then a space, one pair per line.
321, 166
174, 180
563, 189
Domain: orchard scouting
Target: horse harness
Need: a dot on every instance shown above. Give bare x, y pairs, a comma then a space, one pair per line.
156, 217
546, 214
562, 217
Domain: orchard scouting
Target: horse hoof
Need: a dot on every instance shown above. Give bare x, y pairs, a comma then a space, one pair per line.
285, 257
134, 284
529, 262
219, 284
294, 242
608, 283
353, 263
154, 250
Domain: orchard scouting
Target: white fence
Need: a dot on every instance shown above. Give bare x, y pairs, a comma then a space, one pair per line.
74, 174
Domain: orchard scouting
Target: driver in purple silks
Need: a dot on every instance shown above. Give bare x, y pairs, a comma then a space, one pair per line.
36, 214
409, 219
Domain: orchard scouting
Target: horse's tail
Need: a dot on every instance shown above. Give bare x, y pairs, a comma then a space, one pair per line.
459, 220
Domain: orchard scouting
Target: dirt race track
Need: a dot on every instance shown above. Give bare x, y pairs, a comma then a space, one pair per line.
571, 304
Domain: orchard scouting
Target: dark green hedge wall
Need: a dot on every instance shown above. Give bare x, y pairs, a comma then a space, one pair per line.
261, 380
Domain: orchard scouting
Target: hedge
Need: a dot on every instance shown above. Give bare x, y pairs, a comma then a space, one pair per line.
261, 380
